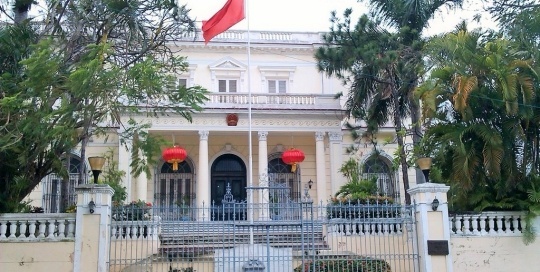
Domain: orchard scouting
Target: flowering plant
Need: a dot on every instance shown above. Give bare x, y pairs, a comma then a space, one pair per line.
141, 204
136, 210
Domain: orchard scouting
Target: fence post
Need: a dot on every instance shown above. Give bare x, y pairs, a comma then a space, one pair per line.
432, 228
92, 230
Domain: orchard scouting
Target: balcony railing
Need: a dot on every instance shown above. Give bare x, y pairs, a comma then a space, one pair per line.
300, 101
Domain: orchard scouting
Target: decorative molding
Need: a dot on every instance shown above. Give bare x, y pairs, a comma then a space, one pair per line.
174, 123
227, 64
263, 135
319, 136
380, 153
203, 135
335, 136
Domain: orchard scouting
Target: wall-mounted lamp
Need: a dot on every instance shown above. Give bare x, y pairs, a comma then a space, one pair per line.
91, 206
435, 204
96, 164
310, 183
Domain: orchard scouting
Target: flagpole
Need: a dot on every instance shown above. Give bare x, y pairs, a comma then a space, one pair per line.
250, 200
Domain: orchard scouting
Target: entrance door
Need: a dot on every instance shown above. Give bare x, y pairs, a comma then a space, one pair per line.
228, 188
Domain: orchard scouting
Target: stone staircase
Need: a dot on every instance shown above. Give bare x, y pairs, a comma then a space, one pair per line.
192, 238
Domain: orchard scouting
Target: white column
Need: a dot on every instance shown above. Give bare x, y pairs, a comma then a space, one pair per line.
142, 186
336, 160
263, 175
322, 194
124, 161
203, 183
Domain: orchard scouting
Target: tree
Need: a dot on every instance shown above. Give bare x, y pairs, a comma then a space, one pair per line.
380, 59
481, 103
85, 65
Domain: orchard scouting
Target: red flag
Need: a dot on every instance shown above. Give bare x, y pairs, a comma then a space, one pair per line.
230, 14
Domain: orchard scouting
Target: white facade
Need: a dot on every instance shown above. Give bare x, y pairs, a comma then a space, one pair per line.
292, 105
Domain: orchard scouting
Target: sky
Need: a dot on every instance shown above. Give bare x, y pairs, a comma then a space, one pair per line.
314, 15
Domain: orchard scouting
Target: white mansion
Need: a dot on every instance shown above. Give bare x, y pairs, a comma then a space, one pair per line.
292, 105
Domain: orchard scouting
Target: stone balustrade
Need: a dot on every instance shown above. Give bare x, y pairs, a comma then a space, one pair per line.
385, 226
37, 226
136, 230
488, 224
265, 100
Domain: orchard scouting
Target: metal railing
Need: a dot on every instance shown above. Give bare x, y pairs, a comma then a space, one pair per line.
376, 234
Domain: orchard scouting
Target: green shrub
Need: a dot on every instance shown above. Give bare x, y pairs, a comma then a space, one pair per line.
345, 265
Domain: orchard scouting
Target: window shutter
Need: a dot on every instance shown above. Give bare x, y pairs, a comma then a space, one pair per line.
222, 86
271, 86
232, 86
182, 82
282, 86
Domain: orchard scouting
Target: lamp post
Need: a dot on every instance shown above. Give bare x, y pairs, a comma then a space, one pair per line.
425, 165
96, 164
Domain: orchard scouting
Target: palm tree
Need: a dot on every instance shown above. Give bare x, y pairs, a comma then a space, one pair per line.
481, 99
381, 65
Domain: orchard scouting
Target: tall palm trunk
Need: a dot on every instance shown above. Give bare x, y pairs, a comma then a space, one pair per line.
401, 143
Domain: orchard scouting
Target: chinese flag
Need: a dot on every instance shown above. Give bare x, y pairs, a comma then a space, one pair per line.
230, 14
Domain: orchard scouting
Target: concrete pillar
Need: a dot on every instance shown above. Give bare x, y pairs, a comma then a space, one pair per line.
203, 182
432, 227
322, 194
336, 160
263, 176
92, 231
124, 162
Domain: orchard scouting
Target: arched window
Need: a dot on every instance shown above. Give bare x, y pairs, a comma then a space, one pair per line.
172, 188
58, 192
379, 167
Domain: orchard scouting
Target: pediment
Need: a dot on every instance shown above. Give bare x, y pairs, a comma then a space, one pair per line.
228, 63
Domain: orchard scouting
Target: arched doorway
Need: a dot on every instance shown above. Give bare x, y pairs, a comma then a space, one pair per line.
284, 195
280, 173
174, 188
228, 170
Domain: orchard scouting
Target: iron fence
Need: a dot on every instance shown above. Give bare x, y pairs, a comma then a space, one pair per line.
333, 237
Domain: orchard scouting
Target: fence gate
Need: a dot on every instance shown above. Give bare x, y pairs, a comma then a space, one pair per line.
335, 237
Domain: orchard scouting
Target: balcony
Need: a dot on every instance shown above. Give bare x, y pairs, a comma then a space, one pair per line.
272, 101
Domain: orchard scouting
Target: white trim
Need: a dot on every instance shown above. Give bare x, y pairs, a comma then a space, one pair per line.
224, 151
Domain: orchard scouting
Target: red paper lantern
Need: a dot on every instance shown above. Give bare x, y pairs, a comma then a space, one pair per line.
292, 157
174, 155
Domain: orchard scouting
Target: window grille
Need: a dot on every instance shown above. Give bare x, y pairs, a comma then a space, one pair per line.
53, 198
377, 167
172, 188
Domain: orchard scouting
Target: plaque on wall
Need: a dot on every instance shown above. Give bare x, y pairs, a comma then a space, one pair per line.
437, 247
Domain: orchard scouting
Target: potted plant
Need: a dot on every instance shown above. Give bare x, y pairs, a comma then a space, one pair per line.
358, 198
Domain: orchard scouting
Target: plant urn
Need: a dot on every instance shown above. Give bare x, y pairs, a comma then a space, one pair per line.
424, 163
